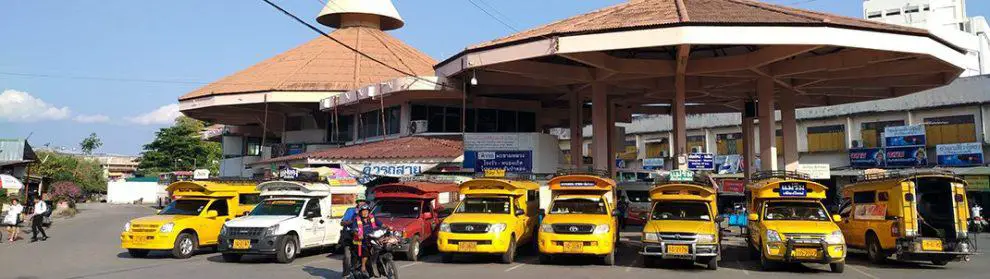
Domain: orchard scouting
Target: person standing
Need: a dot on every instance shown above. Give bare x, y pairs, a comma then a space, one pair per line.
38, 219
12, 218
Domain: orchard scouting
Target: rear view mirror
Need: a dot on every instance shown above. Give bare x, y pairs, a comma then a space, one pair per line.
836, 218
753, 217
520, 212
211, 214
427, 215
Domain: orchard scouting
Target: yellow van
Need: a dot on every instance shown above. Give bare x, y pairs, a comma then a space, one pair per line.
194, 219
581, 219
496, 216
911, 216
788, 223
682, 223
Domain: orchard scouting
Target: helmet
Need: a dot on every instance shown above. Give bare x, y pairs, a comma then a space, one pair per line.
364, 207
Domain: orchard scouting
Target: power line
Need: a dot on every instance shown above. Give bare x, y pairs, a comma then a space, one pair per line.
187, 82
492, 15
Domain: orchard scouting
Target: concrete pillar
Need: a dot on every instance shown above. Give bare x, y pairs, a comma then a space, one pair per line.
613, 138
599, 125
679, 116
788, 121
577, 135
768, 153
748, 155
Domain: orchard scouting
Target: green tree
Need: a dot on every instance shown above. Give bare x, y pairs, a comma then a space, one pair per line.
180, 147
84, 172
90, 143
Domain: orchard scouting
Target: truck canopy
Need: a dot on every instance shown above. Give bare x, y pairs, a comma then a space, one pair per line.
413, 190
492, 186
294, 188
682, 192
210, 189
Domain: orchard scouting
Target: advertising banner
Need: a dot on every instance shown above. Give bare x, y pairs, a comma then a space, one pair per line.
701, 161
909, 156
653, 163
912, 135
870, 212
960, 154
816, 171
732, 164
866, 158
733, 186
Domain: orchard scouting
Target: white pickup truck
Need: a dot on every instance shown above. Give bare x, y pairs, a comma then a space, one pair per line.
292, 216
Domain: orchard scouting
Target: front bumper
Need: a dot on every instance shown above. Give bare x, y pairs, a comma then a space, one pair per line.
485, 243
147, 241
695, 250
785, 252
265, 245
911, 250
591, 244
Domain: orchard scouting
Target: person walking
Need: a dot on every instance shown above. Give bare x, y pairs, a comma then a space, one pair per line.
12, 218
38, 220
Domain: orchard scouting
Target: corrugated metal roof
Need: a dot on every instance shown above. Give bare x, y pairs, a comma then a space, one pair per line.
16, 150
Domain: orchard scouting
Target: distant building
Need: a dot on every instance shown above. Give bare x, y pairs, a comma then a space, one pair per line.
16, 156
944, 18
115, 167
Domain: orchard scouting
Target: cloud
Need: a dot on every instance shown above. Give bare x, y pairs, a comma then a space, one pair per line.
163, 115
96, 118
19, 106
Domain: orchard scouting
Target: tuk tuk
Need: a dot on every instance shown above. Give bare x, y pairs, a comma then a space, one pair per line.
582, 219
682, 223
913, 216
788, 223
496, 216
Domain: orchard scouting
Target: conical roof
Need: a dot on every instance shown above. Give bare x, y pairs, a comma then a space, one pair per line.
322, 65
381, 12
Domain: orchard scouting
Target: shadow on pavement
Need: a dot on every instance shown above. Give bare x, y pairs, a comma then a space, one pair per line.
266, 259
321, 272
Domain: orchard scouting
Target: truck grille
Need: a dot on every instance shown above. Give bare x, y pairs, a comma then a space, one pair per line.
245, 232
573, 228
144, 228
677, 237
805, 238
469, 227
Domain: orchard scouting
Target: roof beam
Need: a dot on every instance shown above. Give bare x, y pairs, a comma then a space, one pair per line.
883, 82
543, 70
882, 69
653, 68
843, 60
759, 58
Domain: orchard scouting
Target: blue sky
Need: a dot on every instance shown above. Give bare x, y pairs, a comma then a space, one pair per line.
194, 42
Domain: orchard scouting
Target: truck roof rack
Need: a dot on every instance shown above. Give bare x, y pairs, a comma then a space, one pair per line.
901, 174
583, 171
699, 179
779, 174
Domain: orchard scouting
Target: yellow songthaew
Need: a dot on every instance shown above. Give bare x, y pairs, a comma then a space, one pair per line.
581, 219
681, 223
496, 216
788, 223
193, 220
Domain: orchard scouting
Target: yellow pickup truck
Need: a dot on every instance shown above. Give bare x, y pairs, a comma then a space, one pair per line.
192, 220
495, 217
681, 223
581, 219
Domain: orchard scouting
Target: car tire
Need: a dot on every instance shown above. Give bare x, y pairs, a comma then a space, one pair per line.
712, 263
288, 249
446, 258
510, 254
609, 259
546, 259
754, 253
138, 253
185, 246
412, 254
873, 250
837, 267
765, 263
231, 258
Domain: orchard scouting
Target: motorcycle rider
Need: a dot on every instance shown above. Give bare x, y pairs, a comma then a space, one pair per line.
363, 224
347, 235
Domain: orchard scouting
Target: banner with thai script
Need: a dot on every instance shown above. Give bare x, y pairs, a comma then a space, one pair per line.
701, 161
912, 135
910, 156
866, 158
870, 212
960, 154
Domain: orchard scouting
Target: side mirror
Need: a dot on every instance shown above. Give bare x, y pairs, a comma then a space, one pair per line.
836, 218
211, 214
720, 219
520, 212
753, 217
427, 215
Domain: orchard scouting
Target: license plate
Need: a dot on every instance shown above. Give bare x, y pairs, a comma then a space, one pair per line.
467, 246
573, 247
677, 249
139, 239
241, 244
806, 252
931, 245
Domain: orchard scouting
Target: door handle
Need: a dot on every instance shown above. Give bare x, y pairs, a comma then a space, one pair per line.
321, 222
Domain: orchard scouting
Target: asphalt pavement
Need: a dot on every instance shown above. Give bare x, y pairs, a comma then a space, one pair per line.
88, 246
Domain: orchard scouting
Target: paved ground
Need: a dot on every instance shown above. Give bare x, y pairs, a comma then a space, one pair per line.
87, 246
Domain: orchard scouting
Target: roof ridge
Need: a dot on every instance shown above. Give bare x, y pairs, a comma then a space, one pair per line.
775, 8
550, 24
396, 55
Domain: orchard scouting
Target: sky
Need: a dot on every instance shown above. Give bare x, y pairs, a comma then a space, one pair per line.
69, 68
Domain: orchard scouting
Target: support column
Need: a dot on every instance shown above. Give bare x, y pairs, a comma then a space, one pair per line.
613, 138
788, 125
577, 135
599, 125
768, 153
679, 117
748, 155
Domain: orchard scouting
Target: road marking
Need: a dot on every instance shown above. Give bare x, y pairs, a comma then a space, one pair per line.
863, 272
411, 264
743, 268
514, 267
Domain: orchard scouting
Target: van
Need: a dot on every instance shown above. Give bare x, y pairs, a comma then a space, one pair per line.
191, 221
581, 219
496, 216
917, 216
788, 223
682, 223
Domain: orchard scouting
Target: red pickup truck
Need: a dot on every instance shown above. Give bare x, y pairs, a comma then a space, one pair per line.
413, 208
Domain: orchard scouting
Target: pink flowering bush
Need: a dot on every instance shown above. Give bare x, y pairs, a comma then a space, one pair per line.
65, 191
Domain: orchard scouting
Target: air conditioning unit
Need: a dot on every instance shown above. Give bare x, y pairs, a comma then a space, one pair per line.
855, 144
418, 127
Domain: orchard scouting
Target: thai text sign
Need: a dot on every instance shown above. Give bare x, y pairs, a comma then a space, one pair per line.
816, 171
510, 161
909, 156
912, 135
733, 186
866, 158
701, 161
793, 189
681, 175
960, 154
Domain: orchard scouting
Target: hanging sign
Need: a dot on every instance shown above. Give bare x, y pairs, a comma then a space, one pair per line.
681, 175
816, 171
701, 161
960, 154
866, 158
908, 156
911, 135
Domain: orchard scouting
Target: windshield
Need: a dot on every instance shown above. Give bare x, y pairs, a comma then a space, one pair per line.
638, 196
681, 210
806, 211
278, 208
184, 207
578, 206
397, 208
495, 205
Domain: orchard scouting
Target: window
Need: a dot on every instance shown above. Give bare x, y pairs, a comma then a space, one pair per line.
950, 129
681, 210
342, 130
872, 132
875, 14
865, 197
527, 122
393, 208
487, 120
845, 207
728, 144
826, 138
249, 199
893, 12
252, 147
313, 206
577, 206
883, 196
927, 8
696, 141
442, 119
779, 139
471, 120
293, 123
220, 206
911, 9
371, 122
533, 195
655, 149
506, 121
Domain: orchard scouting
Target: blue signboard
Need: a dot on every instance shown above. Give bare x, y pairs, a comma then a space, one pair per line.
960, 154
510, 161
701, 161
793, 189
653, 163
913, 135
908, 156
866, 158
293, 149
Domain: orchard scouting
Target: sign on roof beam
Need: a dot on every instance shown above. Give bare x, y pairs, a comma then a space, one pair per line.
759, 58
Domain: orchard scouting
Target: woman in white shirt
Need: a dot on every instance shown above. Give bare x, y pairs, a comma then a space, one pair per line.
11, 219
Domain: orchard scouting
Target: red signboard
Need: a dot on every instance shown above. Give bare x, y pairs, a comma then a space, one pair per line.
733, 186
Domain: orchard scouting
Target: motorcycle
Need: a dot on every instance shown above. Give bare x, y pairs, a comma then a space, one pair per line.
977, 224
381, 263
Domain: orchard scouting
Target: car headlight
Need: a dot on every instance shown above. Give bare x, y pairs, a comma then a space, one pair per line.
546, 228
127, 227
167, 228
705, 238
835, 238
271, 230
223, 229
773, 236
601, 228
651, 237
497, 228
444, 227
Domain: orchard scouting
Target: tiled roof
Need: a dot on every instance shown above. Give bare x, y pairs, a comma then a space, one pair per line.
324, 65
401, 148
636, 14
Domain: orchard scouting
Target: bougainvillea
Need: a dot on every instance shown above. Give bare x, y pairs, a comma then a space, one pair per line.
65, 190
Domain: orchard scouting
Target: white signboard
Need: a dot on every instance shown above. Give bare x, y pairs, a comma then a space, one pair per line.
10, 182
901, 131
201, 174
496, 142
681, 175
816, 171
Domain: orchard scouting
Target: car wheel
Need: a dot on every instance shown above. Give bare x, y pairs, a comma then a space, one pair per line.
412, 254
712, 263
288, 247
231, 258
185, 246
873, 250
545, 259
446, 258
837, 267
137, 253
609, 259
510, 254
766, 264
